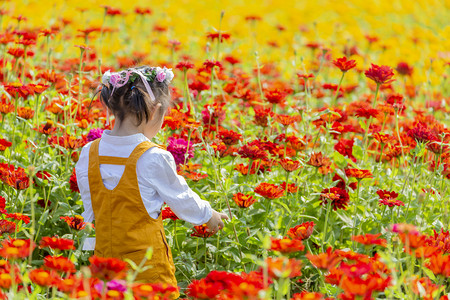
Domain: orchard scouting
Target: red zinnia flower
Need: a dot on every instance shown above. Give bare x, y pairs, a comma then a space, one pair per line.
252, 152
184, 65
325, 261
380, 74
308, 296
201, 231
7, 227
262, 116
16, 248
107, 268
286, 245
243, 200
209, 64
73, 182
344, 64
269, 190
59, 263
286, 120
320, 161
289, 165
301, 231
291, 187
229, 137
57, 243
167, 213
358, 174
75, 222
422, 134
4, 144
275, 95
404, 69
43, 277
18, 217
154, 291
370, 239
367, 112
215, 36
339, 198
282, 267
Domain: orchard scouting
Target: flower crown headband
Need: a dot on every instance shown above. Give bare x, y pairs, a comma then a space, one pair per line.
119, 79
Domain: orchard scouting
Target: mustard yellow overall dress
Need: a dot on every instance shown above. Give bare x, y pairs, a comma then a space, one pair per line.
123, 226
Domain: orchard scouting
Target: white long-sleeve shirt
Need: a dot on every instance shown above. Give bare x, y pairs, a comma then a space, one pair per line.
157, 179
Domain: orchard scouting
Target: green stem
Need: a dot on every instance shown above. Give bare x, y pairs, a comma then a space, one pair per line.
355, 213
337, 91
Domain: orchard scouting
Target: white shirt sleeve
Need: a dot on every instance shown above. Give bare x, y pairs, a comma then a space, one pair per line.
160, 173
81, 169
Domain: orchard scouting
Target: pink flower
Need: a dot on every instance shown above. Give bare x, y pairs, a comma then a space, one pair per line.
161, 76
114, 79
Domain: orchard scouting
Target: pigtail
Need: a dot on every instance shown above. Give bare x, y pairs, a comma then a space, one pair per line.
138, 104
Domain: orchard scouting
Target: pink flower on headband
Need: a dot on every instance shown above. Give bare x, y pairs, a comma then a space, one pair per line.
114, 79
161, 76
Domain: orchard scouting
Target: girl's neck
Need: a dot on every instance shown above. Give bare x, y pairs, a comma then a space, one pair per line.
124, 128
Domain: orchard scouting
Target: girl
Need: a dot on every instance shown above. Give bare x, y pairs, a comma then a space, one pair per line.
124, 178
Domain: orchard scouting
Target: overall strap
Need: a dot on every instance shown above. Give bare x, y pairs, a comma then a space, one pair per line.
138, 151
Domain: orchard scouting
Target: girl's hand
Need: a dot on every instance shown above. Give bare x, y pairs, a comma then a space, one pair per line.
215, 223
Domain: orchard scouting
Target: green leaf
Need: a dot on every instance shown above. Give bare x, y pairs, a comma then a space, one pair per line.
429, 273
339, 159
357, 152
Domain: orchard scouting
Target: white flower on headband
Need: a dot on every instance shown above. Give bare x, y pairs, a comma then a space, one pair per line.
106, 76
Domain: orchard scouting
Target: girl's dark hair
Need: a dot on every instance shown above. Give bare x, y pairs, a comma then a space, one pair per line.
133, 99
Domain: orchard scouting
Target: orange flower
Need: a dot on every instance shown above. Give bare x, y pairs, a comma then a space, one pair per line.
5, 106
320, 161
289, 165
286, 120
275, 95
25, 112
56, 243
427, 290
269, 190
344, 64
370, 239
201, 231
4, 144
16, 248
308, 296
262, 116
302, 231
382, 138
282, 267
7, 227
39, 88
67, 141
59, 263
286, 245
291, 187
229, 137
439, 264
154, 291
75, 222
325, 261
43, 277
5, 281
107, 268
380, 74
252, 152
243, 200
358, 174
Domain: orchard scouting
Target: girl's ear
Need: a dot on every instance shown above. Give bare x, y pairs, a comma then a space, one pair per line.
155, 111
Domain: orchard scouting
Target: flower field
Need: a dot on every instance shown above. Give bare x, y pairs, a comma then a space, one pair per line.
321, 130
